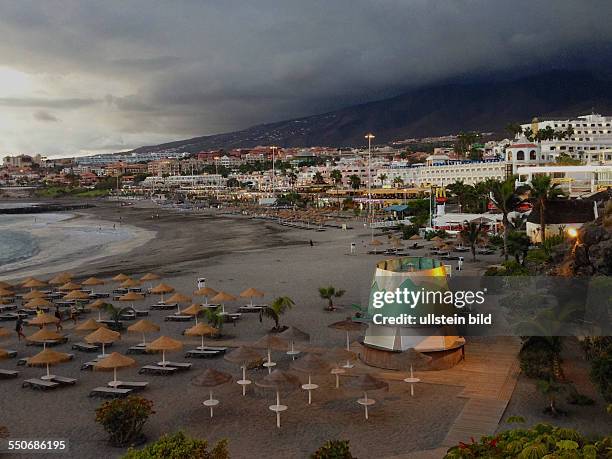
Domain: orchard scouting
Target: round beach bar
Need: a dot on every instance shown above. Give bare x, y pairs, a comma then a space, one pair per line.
383, 345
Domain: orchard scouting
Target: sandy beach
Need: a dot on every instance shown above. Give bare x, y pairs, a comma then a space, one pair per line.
234, 253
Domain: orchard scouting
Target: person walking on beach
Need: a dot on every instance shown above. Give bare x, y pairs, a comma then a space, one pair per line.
39, 313
311, 243
58, 315
19, 329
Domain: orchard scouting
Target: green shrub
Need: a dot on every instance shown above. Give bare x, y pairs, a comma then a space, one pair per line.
409, 231
333, 449
536, 359
179, 446
123, 419
576, 398
541, 440
601, 375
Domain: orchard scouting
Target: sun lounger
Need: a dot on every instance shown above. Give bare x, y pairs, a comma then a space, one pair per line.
8, 374
157, 370
251, 308
128, 316
202, 354
138, 349
64, 381
213, 348
99, 295
163, 306
8, 307
109, 392
40, 384
88, 365
85, 347
9, 316
141, 312
134, 385
48, 342
178, 318
178, 365
231, 317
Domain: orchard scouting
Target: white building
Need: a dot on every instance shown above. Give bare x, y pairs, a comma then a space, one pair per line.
572, 179
184, 180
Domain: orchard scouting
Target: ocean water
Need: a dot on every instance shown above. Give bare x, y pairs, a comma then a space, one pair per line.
16, 245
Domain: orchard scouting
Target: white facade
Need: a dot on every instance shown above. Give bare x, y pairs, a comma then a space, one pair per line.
184, 180
572, 179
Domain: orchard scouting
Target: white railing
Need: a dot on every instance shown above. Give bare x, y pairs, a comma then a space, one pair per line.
390, 223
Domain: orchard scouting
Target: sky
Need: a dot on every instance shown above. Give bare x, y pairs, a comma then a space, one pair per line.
82, 77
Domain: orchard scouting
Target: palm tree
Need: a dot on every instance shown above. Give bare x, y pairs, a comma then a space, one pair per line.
471, 234
517, 244
277, 308
502, 195
398, 181
336, 176
355, 182
382, 178
329, 293
214, 318
318, 179
550, 388
115, 314
543, 190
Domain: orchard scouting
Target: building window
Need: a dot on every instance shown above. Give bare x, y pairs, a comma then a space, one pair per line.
532, 155
520, 155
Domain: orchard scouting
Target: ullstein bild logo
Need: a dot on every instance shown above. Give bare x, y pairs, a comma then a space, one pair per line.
412, 298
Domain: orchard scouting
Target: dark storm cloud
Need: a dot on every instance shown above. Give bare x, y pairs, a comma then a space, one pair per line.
196, 67
69, 103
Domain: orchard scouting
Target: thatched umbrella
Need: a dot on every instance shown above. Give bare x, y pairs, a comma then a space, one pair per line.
43, 335
414, 237
129, 283
120, 277
5, 285
348, 326
38, 303
179, 298
279, 380
93, 281
149, 278
61, 279
311, 364
201, 330
103, 336
251, 293
144, 326
366, 383
5, 293
375, 243
436, 239
33, 283
222, 298
48, 357
162, 289
164, 344
205, 292
34, 294
89, 325
99, 305
131, 297
295, 335
411, 358
211, 378
243, 356
4, 354
43, 319
338, 355
270, 342
4, 333
112, 362
193, 310
78, 295
68, 286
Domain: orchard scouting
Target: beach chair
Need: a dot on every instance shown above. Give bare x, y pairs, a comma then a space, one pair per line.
8, 374
251, 308
40, 384
9, 316
231, 316
8, 307
178, 318
202, 354
109, 392
141, 312
88, 365
212, 348
64, 381
48, 342
163, 306
11, 353
182, 366
157, 370
133, 385
85, 347
137, 349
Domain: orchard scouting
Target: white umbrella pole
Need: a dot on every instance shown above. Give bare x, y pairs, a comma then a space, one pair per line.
309, 391
348, 343
278, 412
292, 351
163, 358
337, 381
178, 307
211, 407
206, 301
99, 314
202, 341
269, 361
196, 318
48, 374
251, 301
365, 397
103, 347
223, 309
244, 378
115, 377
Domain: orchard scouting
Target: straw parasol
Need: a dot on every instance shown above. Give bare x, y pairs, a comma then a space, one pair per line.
243, 356
414, 237
411, 358
279, 380
211, 378
92, 281
112, 362
251, 293
201, 330
34, 294
77, 295
150, 277
179, 298
4, 292
311, 364
193, 310
131, 297
436, 239
348, 326
61, 279
99, 305
103, 336
33, 283
143, 326
366, 383
120, 277
338, 355
205, 292
43, 335
4, 354
68, 286
222, 298
48, 357
162, 289
4, 333
128, 283
43, 319
5, 285
375, 242
38, 303
295, 335
270, 342
164, 344
89, 325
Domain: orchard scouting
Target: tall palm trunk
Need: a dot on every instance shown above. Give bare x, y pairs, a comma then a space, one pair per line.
506, 231
542, 221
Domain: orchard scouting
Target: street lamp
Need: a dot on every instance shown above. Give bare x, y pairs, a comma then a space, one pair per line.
273, 168
369, 136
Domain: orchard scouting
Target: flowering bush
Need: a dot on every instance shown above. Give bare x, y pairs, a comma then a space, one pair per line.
124, 419
333, 449
179, 446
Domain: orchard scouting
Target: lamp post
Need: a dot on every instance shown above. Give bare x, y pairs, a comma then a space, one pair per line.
369, 136
273, 168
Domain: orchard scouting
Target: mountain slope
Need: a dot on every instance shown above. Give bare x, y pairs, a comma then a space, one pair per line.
431, 111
